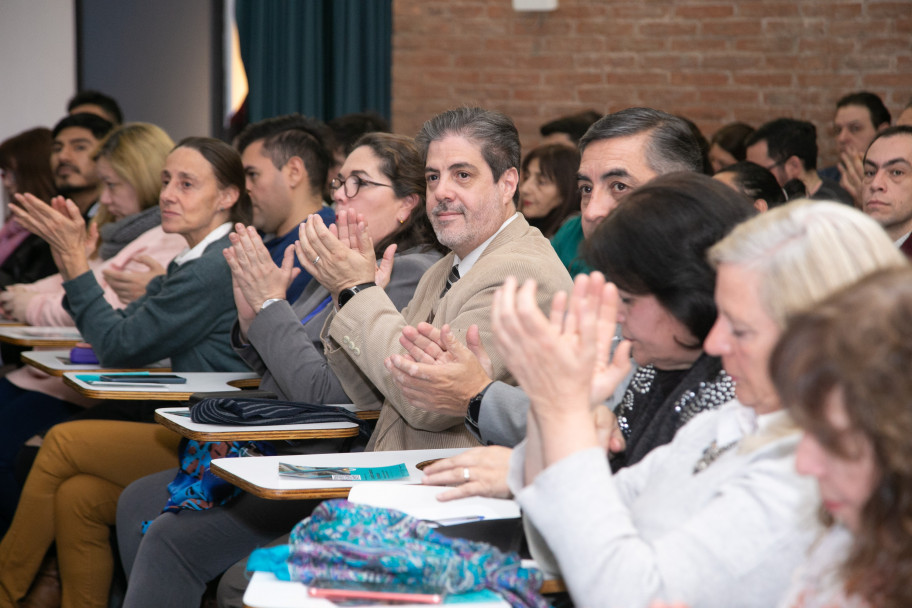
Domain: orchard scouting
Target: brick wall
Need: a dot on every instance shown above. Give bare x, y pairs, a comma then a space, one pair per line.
713, 61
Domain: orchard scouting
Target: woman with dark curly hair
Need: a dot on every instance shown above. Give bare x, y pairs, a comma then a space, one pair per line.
842, 371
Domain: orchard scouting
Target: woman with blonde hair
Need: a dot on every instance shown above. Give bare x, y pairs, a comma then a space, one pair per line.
129, 161
717, 517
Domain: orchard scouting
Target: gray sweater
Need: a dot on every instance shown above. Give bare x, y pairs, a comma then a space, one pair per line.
185, 314
289, 355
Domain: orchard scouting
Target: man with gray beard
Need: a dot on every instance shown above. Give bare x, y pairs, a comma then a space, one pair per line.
471, 166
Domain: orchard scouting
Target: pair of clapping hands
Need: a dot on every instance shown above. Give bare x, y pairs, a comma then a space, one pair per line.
337, 256
60, 223
563, 362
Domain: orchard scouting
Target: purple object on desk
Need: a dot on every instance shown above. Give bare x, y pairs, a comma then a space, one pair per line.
83, 355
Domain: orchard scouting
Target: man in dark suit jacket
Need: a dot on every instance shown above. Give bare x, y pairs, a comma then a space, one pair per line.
472, 159
887, 192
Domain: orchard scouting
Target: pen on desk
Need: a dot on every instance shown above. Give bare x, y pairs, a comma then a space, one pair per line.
389, 596
453, 521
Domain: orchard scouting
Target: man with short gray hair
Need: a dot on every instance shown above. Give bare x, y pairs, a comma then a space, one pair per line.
472, 159
620, 153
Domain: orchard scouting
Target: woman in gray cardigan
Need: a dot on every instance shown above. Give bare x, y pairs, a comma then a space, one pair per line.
382, 181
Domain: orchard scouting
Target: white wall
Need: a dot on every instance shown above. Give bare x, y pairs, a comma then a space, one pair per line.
37, 63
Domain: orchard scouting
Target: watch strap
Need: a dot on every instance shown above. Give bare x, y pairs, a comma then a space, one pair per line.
347, 294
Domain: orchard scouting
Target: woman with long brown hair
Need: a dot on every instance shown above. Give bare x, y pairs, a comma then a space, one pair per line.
842, 370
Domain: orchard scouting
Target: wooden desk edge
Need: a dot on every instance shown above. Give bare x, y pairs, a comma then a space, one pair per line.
40, 342
368, 414
277, 494
553, 585
244, 383
59, 372
125, 395
252, 434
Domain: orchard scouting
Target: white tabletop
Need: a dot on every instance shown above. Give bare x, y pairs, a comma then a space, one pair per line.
260, 476
266, 591
178, 419
57, 362
197, 382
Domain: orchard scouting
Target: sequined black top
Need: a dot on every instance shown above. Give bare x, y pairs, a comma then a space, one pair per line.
659, 402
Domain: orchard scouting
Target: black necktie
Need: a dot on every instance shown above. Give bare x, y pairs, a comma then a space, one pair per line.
451, 278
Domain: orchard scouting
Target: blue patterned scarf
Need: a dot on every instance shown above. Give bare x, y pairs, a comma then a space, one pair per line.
348, 544
195, 487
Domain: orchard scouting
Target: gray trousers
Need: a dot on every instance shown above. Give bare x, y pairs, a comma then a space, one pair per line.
233, 583
181, 552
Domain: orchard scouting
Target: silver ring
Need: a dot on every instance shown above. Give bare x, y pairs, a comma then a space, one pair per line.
465, 473
316, 259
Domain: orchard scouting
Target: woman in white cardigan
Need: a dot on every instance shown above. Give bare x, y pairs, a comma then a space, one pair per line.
718, 517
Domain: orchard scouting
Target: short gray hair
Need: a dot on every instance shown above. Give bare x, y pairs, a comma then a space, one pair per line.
804, 251
493, 131
672, 145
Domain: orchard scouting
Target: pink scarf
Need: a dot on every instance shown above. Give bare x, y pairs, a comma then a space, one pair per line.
11, 236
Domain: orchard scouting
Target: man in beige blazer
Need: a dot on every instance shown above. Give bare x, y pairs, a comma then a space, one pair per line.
620, 152
472, 159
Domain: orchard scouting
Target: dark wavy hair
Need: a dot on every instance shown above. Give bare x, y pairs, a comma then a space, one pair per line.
756, 182
787, 137
855, 346
28, 156
560, 164
293, 135
731, 138
494, 132
877, 111
655, 243
229, 171
402, 163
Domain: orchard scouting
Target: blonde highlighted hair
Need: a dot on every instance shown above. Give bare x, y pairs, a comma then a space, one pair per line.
806, 250
137, 152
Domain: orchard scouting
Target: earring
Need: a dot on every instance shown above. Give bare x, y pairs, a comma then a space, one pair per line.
401, 221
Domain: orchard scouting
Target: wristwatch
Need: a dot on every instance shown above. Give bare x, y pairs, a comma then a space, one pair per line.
269, 303
474, 409
347, 294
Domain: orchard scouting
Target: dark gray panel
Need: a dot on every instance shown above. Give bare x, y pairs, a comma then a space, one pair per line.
159, 59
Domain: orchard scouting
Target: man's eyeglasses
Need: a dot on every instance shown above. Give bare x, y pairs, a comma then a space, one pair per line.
352, 184
774, 165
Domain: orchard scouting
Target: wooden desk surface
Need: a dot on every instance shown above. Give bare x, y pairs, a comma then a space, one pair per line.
55, 337
57, 362
178, 420
197, 382
260, 476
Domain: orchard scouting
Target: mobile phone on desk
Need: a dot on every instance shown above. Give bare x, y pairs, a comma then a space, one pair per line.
143, 378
